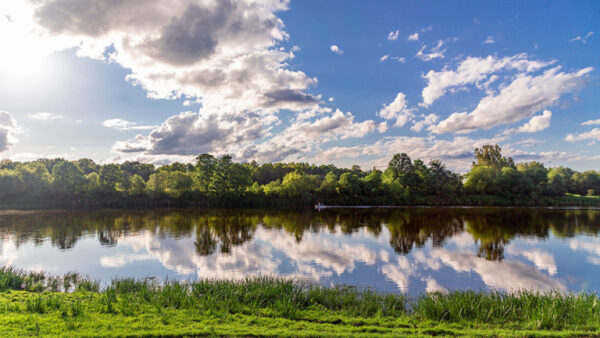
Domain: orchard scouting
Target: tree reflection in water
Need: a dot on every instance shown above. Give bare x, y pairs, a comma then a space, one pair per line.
221, 230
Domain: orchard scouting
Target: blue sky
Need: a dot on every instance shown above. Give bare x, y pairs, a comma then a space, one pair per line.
340, 82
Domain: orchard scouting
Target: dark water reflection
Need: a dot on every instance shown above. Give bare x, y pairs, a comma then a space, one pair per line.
409, 249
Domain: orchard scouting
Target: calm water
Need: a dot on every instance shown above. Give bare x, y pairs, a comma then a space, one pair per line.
410, 250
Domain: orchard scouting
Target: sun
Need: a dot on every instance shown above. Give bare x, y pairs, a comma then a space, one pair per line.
23, 52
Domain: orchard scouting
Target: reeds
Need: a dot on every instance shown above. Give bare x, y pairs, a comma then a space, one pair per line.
291, 299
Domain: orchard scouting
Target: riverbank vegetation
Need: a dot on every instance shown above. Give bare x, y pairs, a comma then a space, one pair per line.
219, 182
39, 304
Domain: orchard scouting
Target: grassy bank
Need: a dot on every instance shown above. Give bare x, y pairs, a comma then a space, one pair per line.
37, 304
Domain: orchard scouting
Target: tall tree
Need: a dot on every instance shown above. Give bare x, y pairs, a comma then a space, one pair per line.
491, 156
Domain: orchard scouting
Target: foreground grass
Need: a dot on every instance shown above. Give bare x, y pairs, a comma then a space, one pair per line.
36, 304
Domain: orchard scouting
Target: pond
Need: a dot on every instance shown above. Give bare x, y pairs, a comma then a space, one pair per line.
409, 250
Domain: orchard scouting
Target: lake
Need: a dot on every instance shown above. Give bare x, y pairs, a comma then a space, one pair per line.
410, 250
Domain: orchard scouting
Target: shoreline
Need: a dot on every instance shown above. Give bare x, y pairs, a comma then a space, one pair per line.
566, 202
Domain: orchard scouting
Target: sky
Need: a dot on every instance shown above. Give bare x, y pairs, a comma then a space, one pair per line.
342, 82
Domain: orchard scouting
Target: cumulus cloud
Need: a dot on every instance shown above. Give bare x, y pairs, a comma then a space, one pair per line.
524, 96
383, 58
225, 52
8, 127
397, 110
393, 35
457, 152
433, 53
535, 124
244, 136
583, 39
474, 70
413, 37
427, 120
44, 116
303, 137
124, 125
591, 123
336, 49
190, 133
593, 134
399, 59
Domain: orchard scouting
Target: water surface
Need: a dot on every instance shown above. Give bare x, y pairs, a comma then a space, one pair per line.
410, 250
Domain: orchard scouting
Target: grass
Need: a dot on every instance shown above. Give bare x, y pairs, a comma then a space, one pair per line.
31, 304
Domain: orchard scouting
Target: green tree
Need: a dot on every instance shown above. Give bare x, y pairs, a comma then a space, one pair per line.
482, 180
87, 165
206, 165
68, 178
112, 178
491, 156
137, 185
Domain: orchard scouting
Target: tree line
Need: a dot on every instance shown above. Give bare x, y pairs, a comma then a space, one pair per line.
219, 182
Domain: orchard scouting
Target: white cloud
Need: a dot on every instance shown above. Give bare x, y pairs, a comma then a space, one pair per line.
593, 134
528, 142
8, 127
302, 137
331, 99
535, 124
591, 123
489, 40
44, 116
190, 133
395, 58
124, 125
336, 49
434, 53
584, 38
413, 37
456, 153
474, 70
523, 97
224, 52
382, 127
245, 136
393, 35
427, 120
397, 110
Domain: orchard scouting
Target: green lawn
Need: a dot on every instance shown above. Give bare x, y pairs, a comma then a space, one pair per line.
276, 307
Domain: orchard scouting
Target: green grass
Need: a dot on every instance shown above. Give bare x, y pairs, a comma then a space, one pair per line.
30, 304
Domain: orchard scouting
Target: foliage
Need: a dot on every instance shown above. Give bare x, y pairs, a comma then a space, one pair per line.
220, 182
